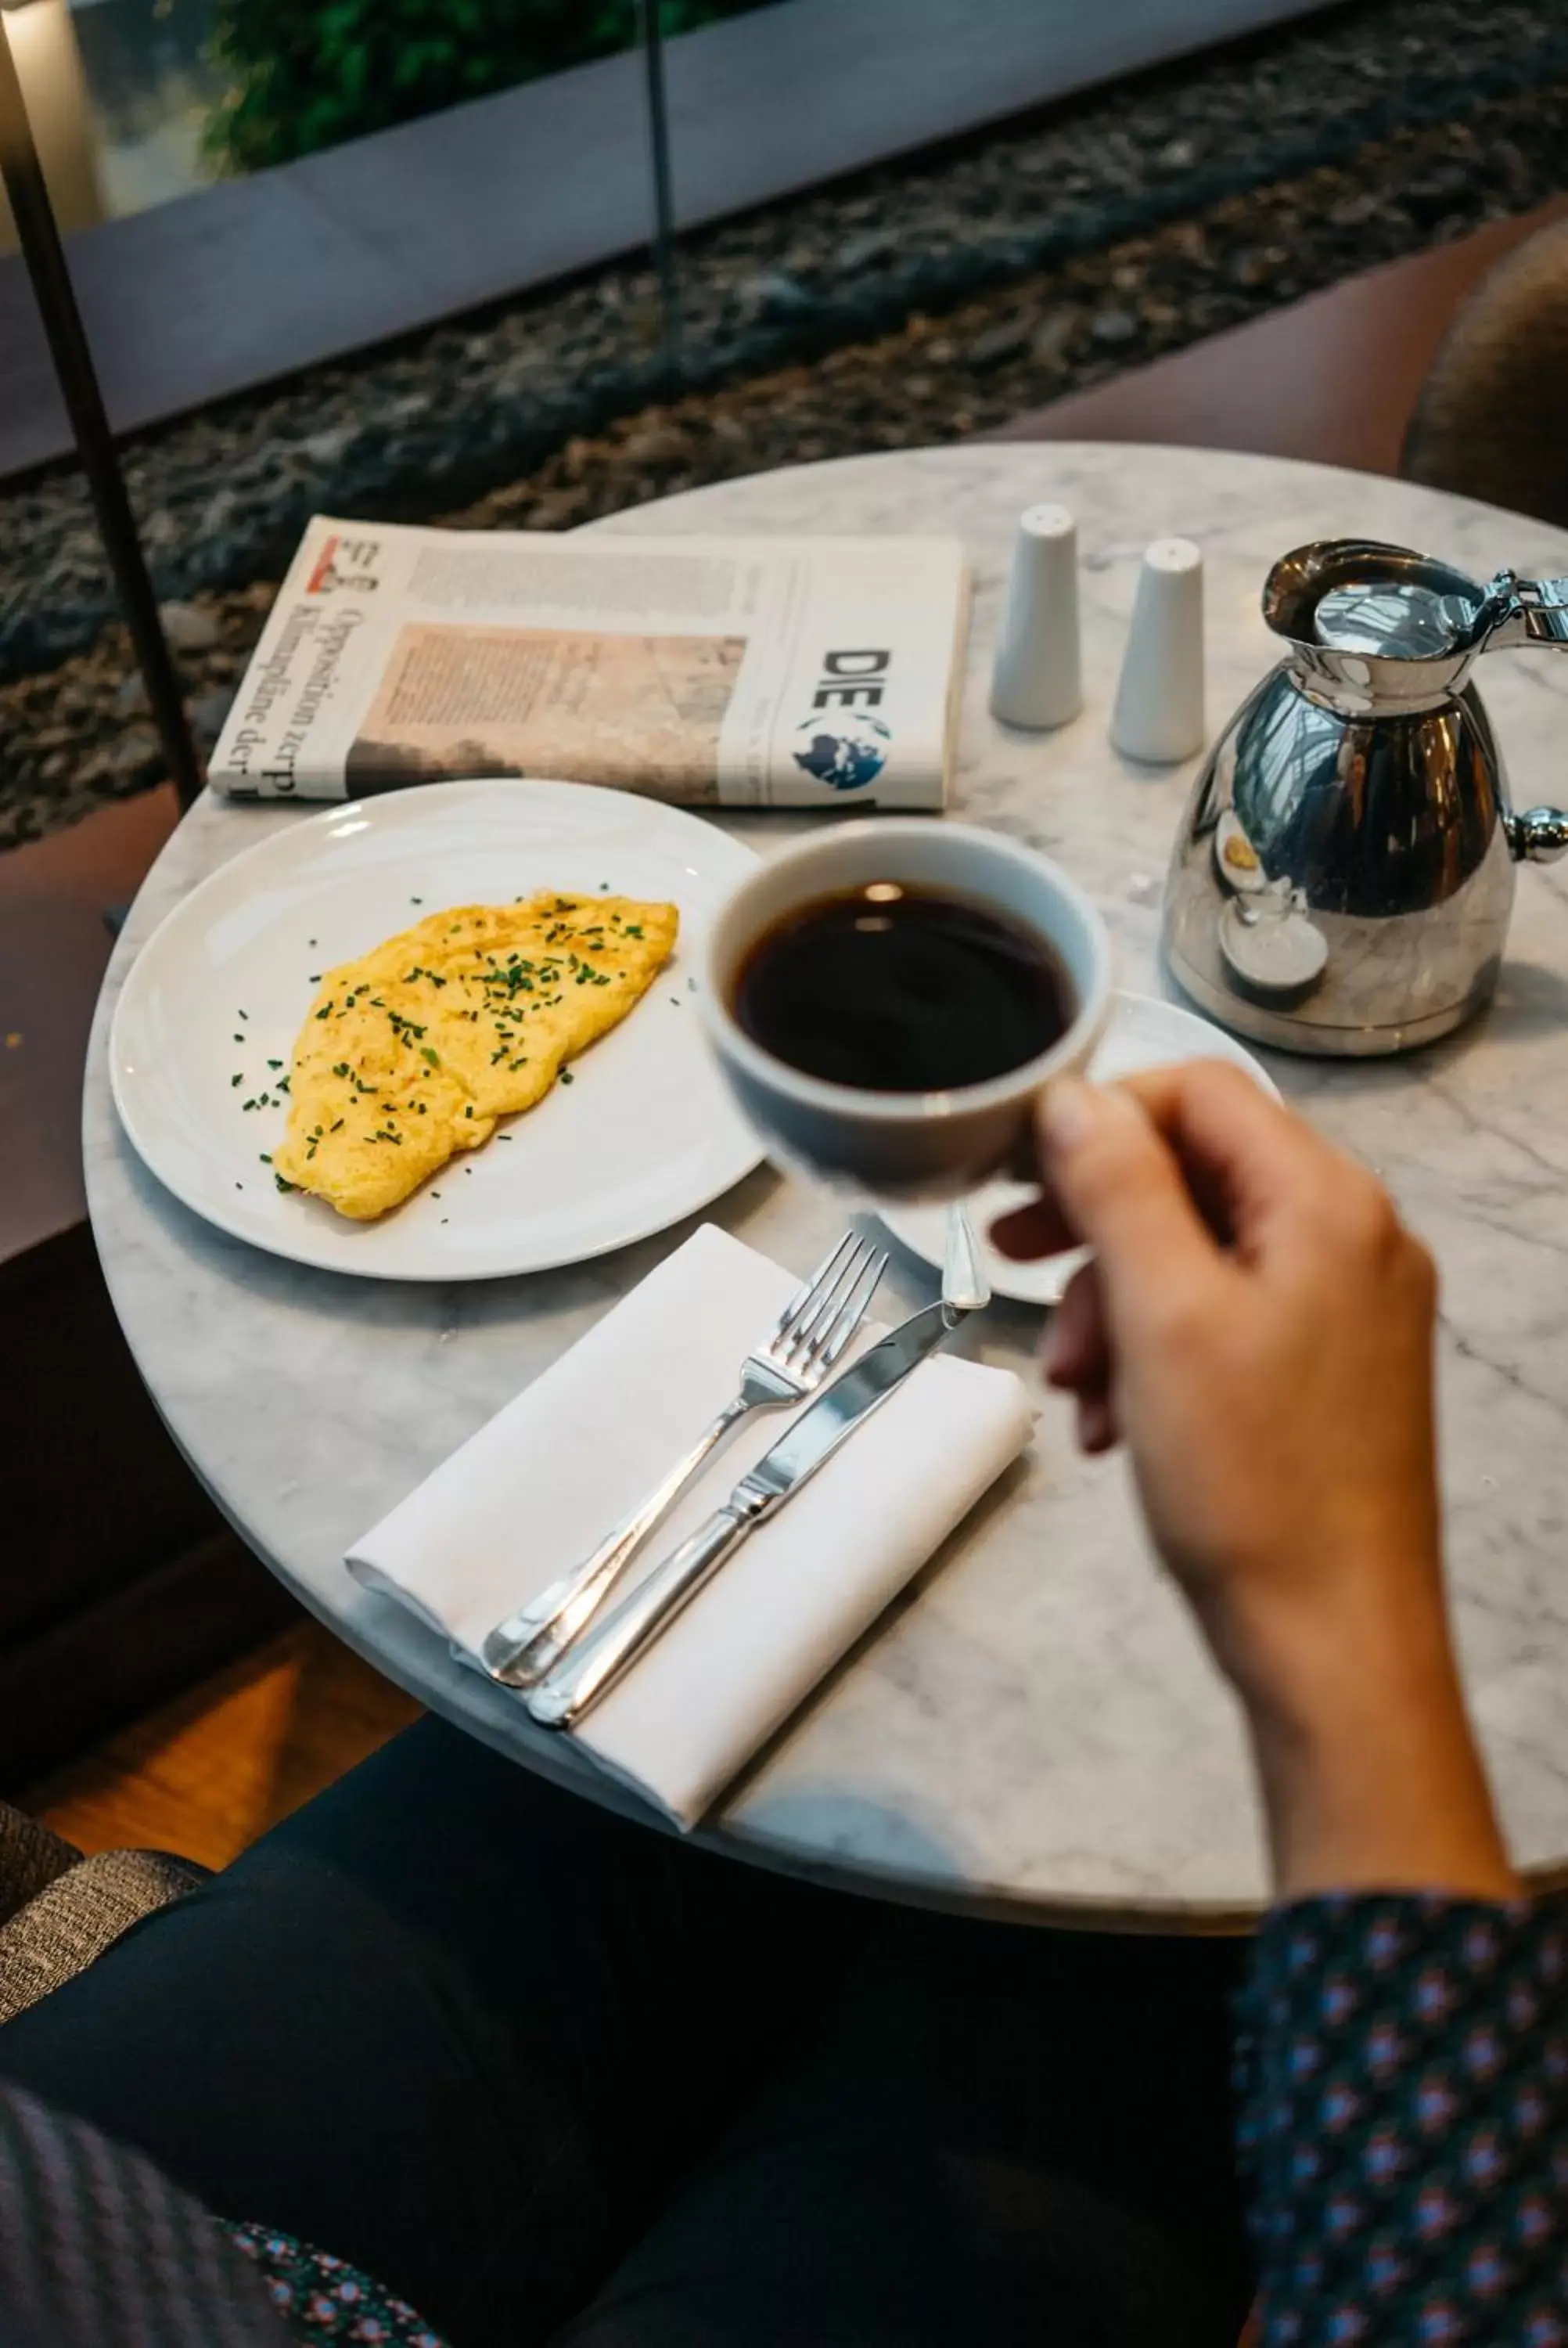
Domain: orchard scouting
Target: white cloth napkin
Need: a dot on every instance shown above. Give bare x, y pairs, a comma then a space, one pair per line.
534, 1491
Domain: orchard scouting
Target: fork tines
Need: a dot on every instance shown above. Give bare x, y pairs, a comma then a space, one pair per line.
827, 1309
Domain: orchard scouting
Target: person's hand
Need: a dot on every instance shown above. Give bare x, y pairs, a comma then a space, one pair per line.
1257, 1326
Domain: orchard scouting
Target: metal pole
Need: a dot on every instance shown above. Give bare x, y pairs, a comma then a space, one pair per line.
44, 254
650, 33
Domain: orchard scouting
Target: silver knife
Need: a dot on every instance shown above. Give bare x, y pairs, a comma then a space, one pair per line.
599, 1658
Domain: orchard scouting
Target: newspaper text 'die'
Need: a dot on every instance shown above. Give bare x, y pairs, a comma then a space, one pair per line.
717, 672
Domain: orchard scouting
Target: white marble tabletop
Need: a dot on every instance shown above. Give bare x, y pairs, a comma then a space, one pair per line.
1036, 1729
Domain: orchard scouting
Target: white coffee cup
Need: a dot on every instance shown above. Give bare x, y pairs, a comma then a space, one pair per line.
932, 1145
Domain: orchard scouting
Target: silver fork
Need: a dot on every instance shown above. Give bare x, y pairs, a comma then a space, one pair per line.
792, 1362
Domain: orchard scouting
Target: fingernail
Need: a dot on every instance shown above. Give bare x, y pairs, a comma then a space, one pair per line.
1067, 1114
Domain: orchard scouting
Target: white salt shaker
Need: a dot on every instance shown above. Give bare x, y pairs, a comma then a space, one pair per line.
1159, 712
1037, 680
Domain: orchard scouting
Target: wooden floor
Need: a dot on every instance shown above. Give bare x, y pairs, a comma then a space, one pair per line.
205, 1775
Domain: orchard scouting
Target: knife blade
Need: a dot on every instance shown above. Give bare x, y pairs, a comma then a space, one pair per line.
599, 1658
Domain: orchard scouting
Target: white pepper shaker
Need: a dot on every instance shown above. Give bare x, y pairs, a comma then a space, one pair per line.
1037, 680
1159, 710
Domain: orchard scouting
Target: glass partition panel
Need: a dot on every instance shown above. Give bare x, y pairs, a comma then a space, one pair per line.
395, 258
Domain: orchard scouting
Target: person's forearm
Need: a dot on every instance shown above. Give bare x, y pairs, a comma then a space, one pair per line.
1390, 1799
1369, 1769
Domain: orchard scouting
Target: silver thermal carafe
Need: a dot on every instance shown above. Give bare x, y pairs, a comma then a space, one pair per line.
1343, 877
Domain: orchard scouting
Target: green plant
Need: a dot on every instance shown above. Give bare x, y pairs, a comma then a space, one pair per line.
306, 74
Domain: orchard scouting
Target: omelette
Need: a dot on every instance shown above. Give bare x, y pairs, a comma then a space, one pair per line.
414, 1051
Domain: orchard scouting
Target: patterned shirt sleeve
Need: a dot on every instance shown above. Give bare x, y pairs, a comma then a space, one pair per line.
1403, 2088
324, 2301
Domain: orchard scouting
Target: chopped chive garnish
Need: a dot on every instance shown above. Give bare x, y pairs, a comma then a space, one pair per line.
237, 1080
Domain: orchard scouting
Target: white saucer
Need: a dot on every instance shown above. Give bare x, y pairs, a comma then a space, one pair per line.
1141, 1033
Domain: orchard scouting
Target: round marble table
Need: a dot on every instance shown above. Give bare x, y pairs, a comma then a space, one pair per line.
1036, 1730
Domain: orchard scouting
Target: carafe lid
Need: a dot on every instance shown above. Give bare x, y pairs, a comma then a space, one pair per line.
1396, 619
1362, 599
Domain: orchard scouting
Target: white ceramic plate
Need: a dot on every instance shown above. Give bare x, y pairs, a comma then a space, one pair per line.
645, 1134
1141, 1033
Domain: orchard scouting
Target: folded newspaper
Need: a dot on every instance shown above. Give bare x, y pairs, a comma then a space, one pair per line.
732, 672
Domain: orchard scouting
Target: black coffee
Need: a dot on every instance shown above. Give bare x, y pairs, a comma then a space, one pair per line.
901, 990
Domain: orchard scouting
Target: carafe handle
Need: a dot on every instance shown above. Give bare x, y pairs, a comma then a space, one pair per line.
1534, 612
1539, 836
1531, 612
1544, 603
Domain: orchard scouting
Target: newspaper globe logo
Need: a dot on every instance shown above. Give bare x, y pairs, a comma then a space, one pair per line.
845, 751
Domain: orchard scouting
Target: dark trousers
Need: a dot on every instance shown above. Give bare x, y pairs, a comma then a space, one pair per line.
558, 2078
